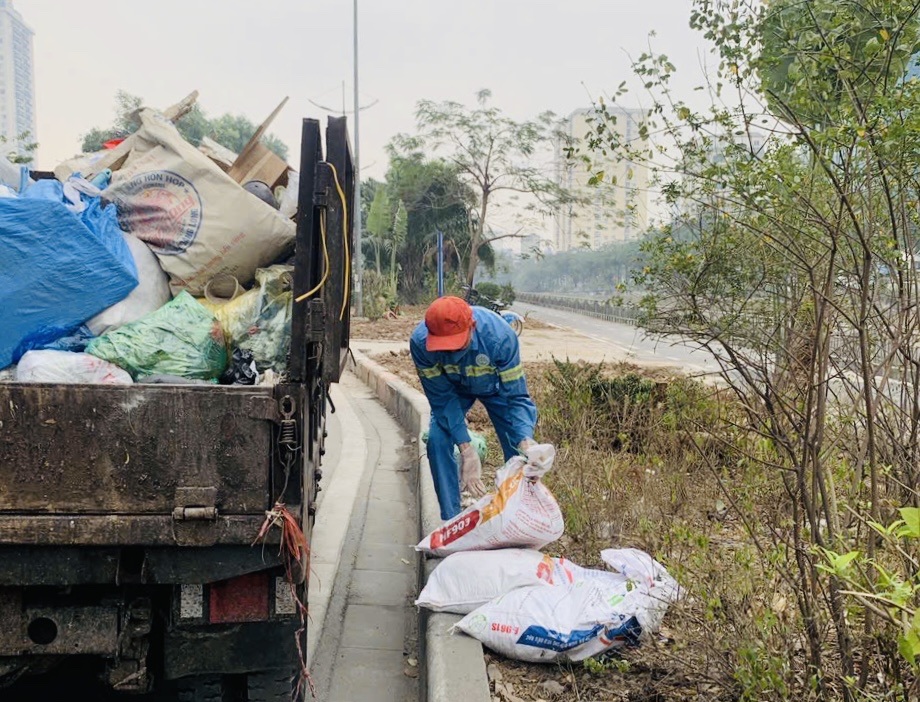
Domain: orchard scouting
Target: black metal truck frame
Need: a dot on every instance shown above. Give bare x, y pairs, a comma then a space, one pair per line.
128, 514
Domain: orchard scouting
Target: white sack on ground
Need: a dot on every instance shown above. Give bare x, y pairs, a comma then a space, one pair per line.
523, 513
543, 624
151, 293
464, 581
198, 221
598, 612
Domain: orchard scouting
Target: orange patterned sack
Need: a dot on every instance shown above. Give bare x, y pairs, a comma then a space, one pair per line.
522, 514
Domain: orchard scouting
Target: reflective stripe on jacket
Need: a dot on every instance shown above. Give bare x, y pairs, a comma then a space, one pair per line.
489, 367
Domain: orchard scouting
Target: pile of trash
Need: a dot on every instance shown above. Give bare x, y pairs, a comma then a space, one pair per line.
530, 606
152, 261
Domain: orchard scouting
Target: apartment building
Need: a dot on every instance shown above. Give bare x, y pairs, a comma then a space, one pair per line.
615, 210
17, 76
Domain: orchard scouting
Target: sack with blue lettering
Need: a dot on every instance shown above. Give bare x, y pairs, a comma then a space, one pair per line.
597, 612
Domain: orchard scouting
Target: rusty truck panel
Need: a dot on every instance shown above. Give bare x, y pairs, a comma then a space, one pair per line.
138, 450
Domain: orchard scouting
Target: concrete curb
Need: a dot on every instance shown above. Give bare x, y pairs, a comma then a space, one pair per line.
455, 668
331, 525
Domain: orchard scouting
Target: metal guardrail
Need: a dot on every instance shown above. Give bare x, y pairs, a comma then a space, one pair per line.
592, 308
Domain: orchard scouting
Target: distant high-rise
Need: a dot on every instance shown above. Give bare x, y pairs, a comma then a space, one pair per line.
17, 77
616, 209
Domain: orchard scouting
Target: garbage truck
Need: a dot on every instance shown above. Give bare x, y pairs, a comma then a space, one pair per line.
157, 535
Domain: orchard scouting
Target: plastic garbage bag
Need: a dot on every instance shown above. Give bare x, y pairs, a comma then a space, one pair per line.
476, 439
181, 338
76, 341
57, 270
241, 370
68, 367
287, 204
259, 320
522, 513
56, 191
151, 293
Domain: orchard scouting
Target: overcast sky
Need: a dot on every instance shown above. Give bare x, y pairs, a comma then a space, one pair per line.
245, 56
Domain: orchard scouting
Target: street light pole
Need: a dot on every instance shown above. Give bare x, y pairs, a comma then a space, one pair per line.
356, 212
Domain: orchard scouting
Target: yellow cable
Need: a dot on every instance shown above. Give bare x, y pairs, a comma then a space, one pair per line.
322, 282
338, 187
322, 226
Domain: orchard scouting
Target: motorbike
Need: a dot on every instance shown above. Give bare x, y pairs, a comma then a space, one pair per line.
474, 297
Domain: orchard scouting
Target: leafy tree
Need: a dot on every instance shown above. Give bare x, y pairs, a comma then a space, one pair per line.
20, 150
397, 241
494, 155
435, 198
232, 131
794, 264
126, 105
378, 223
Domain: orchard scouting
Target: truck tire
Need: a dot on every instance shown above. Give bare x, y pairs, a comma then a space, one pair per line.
274, 685
203, 688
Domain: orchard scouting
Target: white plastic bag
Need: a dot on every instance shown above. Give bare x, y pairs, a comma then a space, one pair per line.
523, 513
542, 624
198, 221
288, 203
151, 293
68, 367
654, 587
464, 581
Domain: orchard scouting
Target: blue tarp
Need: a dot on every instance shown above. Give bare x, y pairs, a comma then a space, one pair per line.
57, 269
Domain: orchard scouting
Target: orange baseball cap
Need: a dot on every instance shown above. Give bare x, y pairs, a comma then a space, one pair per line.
450, 324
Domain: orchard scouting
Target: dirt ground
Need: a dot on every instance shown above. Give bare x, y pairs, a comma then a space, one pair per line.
626, 678
539, 341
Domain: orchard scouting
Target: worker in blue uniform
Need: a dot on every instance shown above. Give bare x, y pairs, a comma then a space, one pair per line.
464, 354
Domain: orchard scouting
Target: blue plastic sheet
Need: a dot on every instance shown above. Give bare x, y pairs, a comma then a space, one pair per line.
57, 269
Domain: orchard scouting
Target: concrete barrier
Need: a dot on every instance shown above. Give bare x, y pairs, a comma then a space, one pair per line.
599, 309
454, 666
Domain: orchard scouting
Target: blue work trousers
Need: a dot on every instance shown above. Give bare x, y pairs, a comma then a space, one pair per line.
445, 471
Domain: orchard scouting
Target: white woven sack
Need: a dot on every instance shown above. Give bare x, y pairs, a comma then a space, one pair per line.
198, 221
522, 513
151, 293
543, 624
464, 581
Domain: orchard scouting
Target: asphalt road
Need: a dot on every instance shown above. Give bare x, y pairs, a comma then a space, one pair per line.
628, 341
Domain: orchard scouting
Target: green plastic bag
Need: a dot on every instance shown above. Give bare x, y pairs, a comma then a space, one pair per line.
181, 338
477, 439
260, 319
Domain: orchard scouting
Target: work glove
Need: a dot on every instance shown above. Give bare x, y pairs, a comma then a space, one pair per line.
471, 471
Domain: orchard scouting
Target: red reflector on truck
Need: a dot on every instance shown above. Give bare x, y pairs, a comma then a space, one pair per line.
242, 599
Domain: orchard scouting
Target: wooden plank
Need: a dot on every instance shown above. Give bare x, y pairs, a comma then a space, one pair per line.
250, 155
263, 164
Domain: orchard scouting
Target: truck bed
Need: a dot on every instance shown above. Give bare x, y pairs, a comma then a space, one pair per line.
90, 464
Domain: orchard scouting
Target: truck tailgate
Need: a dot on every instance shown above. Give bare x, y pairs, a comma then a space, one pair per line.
141, 450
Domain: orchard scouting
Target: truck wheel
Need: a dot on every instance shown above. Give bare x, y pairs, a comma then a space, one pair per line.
203, 688
274, 685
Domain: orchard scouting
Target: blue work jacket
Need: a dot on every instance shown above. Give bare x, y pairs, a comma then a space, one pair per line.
489, 368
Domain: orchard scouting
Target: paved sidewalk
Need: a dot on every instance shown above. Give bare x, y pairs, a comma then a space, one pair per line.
369, 638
